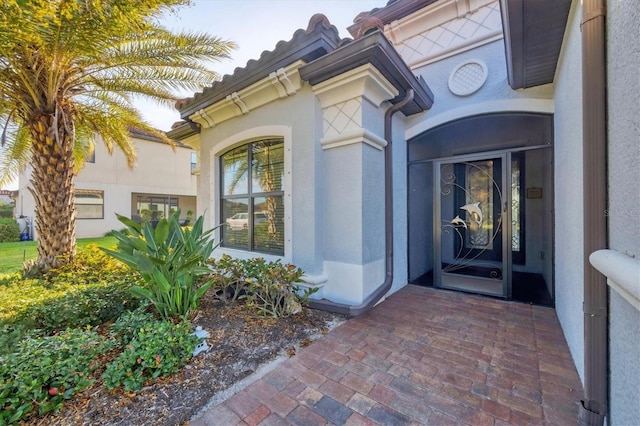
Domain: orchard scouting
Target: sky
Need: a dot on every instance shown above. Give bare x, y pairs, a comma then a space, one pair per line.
255, 26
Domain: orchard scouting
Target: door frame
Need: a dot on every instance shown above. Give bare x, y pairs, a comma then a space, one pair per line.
505, 208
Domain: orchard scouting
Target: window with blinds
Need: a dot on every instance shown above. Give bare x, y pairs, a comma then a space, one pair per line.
252, 196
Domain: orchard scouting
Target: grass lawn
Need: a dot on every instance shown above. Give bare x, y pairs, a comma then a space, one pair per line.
12, 255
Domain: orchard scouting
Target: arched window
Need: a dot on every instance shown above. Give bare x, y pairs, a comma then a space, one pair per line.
252, 196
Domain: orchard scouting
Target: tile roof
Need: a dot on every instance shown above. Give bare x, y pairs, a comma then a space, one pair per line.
372, 48
394, 10
143, 134
319, 38
326, 55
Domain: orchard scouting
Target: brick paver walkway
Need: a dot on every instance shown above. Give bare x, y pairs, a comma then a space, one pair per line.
423, 356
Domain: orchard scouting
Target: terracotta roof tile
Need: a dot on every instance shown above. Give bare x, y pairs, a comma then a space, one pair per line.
308, 44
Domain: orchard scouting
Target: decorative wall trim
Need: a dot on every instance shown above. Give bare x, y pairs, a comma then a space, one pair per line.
282, 92
341, 98
444, 29
246, 136
365, 81
201, 117
468, 77
283, 77
456, 50
352, 137
278, 84
545, 106
236, 100
622, 272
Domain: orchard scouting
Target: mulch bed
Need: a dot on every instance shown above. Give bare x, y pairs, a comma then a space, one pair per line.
239, 344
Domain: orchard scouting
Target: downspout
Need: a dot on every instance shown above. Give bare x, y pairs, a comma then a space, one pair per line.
594, 405
378, 293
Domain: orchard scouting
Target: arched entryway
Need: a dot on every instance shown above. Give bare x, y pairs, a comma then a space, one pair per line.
480, 206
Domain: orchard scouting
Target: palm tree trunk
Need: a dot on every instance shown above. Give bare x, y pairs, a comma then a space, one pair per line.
53, 190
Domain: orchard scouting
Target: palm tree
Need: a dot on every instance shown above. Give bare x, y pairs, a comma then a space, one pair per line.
68, 71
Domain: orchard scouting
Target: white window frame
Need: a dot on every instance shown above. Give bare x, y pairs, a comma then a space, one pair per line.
214, 210
78, 204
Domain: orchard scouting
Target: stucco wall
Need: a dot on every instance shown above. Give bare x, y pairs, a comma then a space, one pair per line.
623, 57
494, 95
298, 119
568, 193
400, 212
159, 170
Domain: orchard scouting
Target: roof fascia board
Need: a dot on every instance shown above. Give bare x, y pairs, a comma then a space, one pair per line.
512, 12
533, 36
374, 49
364, 81
183, 131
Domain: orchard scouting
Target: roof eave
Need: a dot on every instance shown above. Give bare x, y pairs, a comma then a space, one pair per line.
183, 131
533, 35
305, 45
391, 12
374, 49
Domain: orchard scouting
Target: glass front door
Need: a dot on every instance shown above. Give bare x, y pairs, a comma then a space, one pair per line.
472, 225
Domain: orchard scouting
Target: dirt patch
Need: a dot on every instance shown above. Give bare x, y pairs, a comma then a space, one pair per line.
239, 343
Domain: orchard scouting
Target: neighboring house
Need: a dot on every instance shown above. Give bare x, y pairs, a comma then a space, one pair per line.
162, 180
488, 192
6, 196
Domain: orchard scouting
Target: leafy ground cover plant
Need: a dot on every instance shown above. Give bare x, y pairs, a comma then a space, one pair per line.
269, 287
49, 346
152, 348
170, 259
44, 371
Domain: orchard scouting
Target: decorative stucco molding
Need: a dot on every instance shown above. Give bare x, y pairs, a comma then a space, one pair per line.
282, 93
365, 81
445, 29
468, 77
283, 77
236, 100
283, 84
342, 117
342, 100
352, 137
203, 118
278, 84
212, 163
622, 272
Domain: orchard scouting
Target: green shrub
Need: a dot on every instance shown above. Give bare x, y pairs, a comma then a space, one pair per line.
95, 288
44, 371
269, 287
229, 278
91, 264
9, 231
170, 259
6, 210
89, 306
153, 348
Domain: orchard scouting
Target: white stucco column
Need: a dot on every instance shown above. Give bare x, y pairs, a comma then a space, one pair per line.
353, 160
